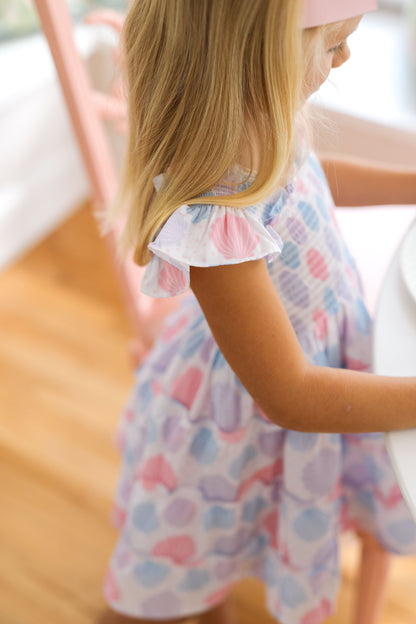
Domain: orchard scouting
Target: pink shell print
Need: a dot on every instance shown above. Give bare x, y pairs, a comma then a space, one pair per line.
219, 596
320, 318
357, 365
157, 470
320, 613
392, 499
172, 330
233, 237
266, 475
186, 386
118, 516
300, 187
347, 523
120, 440
317, 265
351, 276
179, 549
235, 437
171, 279
156, 387
111, 590
129, 415
271, 524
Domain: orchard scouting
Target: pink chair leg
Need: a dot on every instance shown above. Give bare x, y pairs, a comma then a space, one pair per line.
372, 581
146, 314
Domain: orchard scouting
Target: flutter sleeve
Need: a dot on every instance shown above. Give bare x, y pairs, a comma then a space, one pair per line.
203, 236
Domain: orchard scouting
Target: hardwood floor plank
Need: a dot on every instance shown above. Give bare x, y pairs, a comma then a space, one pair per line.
53, 560
64, 376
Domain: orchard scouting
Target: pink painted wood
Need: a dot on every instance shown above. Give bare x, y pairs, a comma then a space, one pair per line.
87, 108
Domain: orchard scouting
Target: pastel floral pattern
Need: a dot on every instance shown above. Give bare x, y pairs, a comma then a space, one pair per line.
210, 490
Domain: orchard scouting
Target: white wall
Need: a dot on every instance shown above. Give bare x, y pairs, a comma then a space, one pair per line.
42, 177
371, 100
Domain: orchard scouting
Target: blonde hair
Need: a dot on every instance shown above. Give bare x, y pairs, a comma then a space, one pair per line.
199, 73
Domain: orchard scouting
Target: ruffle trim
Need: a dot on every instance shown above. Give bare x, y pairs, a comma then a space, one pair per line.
207, 235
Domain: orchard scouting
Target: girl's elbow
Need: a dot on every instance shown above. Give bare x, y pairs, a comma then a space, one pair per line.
291, 409
294, 418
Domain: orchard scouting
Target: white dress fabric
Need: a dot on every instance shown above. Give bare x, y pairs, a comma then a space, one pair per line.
210, 490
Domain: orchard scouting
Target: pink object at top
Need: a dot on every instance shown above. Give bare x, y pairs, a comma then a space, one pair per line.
319, 12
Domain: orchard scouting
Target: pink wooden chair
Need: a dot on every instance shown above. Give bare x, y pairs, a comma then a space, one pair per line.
87, 108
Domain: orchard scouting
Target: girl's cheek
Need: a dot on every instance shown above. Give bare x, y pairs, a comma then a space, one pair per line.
326, 68
317, 80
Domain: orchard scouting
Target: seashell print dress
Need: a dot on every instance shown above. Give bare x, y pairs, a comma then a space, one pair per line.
210, 491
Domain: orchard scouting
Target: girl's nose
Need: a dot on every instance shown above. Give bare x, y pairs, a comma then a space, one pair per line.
342, 57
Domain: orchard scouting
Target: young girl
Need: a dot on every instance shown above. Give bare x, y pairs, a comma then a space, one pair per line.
247, 440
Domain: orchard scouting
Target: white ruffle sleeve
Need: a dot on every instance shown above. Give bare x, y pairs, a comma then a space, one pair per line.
208, 235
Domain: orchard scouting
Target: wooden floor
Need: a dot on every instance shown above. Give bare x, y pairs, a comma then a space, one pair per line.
64, 375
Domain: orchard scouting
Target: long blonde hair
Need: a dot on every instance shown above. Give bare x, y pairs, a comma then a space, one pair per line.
198, 74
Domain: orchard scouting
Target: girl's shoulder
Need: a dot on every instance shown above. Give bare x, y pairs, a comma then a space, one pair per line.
211, 235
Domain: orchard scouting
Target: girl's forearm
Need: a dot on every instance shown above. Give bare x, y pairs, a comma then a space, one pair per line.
358, 182
344, 401
256, 337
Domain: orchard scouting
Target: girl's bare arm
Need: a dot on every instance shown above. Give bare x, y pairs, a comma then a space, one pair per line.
359, 182
255, 336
